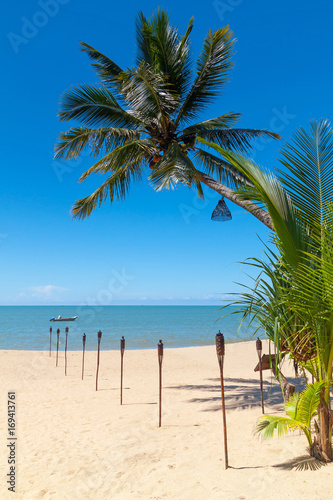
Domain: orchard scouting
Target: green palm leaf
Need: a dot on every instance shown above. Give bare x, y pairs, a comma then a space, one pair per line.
175, 167
213, 68
148, 94
71, 144
236, 139
144, 39
309, 401
106, 69
225, 172
116, 187
268, 424
223, 121
94, 106
161, 47
129, 153
309, 175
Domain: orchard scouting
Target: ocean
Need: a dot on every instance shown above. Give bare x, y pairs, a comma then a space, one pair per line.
28, 327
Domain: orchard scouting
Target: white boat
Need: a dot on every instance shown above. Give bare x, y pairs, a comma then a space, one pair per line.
59, 318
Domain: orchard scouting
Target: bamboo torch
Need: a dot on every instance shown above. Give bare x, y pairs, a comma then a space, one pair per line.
99, 336
66, 330
58, 333
84, 338
220, 350
160, 359
259, 351
122, 350
50, 340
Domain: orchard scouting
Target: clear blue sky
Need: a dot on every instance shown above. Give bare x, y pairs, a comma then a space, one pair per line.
145, 250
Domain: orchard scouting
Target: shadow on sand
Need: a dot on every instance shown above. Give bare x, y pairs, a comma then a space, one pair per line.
305, 462
243, 394
240, 393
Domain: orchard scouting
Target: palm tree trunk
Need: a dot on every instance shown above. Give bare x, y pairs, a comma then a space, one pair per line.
325, 433
251, 207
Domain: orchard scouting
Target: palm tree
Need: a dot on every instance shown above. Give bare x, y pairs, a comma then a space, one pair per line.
147, 115
292, 297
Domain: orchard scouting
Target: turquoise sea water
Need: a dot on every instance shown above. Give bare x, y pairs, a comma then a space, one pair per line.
28, 327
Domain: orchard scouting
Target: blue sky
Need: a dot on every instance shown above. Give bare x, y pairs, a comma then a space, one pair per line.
155, 248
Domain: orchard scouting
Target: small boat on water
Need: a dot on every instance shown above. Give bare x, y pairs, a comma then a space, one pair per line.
59, 318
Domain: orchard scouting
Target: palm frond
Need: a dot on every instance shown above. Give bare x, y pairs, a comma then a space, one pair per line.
221, 170
268, 424
148, 94
309, 175
175, 167
223, 121
213, 68
163, 49
94, 106
106, 69
144, 39
134, 151
291, 406
116, 187
236, 139
309, 401
71, 144
184, 57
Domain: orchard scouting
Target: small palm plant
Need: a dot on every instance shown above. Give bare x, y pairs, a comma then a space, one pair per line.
301, 409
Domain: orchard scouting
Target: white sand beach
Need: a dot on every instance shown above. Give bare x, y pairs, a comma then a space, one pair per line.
76, 443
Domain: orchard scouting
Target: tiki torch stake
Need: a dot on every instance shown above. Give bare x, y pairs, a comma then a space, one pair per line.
99, 336
259, 351
122, 349
66, 350
160, 359
84, 337
220, 350
58, 333
50, 339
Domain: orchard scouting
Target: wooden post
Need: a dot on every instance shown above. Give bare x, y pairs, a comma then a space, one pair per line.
58, 333
160, 359
50, 340
220, 350
84, 348
122, 349
259, 351
99, 336
66, 331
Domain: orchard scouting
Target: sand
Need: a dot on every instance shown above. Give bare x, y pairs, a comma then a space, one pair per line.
76, 443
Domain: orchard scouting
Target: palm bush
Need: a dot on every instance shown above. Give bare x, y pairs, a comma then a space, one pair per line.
292, 297
149, 115
301, 410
